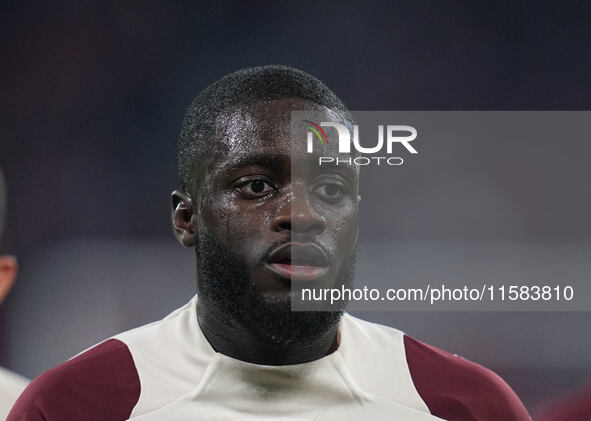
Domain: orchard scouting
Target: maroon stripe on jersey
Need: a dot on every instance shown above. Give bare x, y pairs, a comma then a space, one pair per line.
100, 384
456, 389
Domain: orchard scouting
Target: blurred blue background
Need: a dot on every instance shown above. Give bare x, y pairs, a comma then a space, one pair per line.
91, 100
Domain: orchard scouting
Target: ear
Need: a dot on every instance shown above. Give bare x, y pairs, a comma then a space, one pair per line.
8, 271
183, 218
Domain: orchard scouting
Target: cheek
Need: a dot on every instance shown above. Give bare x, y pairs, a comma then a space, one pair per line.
343, 228
216, 217
234, 223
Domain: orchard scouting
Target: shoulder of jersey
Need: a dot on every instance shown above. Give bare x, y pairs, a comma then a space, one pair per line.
100, 383
452, 387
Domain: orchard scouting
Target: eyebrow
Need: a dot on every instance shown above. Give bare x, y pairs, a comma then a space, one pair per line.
273, 161
345, 170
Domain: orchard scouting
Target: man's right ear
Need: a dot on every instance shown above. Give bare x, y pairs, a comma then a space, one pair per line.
183, 218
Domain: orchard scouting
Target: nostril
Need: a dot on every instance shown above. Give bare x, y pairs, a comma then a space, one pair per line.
285, 226
307, 226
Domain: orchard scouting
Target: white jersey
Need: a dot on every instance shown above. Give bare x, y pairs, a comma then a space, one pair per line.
167, 370
343, 384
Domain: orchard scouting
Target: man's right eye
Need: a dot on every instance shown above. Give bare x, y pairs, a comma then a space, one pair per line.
255, 188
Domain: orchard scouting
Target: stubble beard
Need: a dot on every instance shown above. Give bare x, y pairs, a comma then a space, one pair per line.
226, 285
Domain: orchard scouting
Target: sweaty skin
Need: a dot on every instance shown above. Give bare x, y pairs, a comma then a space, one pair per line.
243, 199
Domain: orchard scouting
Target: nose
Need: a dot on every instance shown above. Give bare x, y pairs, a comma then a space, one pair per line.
298, 215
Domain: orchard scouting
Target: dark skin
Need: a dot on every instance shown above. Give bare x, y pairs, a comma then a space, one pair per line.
244, 196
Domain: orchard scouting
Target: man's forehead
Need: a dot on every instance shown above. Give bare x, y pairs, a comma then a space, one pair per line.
260, 134
264, 123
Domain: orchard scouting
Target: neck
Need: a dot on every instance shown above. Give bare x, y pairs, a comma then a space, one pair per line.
229, 338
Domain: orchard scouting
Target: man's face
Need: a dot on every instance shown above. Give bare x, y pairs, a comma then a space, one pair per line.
262, 226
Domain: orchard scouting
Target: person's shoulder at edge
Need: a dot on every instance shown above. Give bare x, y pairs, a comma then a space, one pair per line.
452, 387
11, 386
101, 383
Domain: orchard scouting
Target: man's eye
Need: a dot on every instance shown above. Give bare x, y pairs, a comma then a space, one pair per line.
330, 191
256, 188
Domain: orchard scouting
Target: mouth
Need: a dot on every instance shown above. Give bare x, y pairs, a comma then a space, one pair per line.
298, 261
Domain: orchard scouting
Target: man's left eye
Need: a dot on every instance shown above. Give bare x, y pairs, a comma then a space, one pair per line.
330, 191
256, 188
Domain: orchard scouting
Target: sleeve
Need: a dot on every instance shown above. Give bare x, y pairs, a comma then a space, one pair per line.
456, 389
99, 384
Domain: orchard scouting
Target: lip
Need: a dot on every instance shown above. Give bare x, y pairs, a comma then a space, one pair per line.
298, 261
